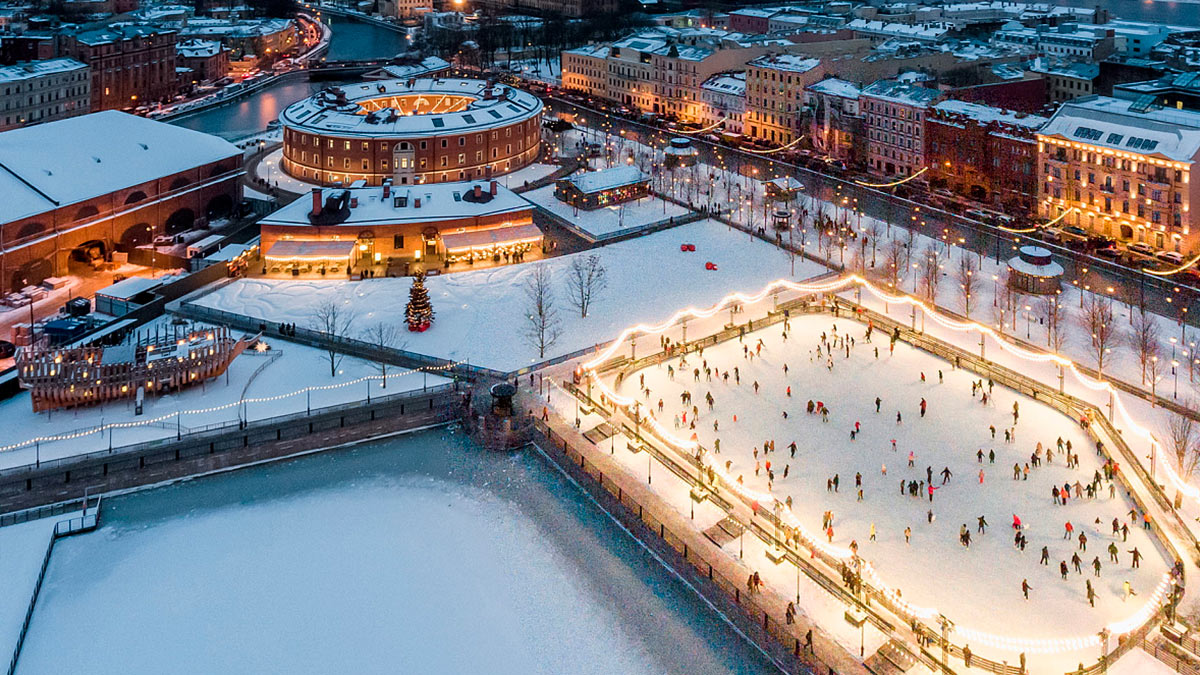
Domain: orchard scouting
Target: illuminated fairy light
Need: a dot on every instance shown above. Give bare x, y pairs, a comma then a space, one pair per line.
773, 150
788, 517
1177, 270
202, 411
710, 127
1050, 223
894, 183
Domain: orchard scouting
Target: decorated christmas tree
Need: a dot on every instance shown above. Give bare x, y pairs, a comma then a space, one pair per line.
418, 313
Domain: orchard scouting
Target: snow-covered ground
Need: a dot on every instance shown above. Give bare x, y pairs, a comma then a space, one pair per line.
609, 220
934, 570
287, 384
529, 174
538, 70
481, 315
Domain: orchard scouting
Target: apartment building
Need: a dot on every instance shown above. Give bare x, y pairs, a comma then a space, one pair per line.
724, 98
985, 153
1122, 169
130, 64
775, 95
43, 91
835, 126
894, 120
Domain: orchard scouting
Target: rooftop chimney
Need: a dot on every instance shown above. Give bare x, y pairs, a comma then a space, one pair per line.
478, 191
387, 188
417, 203
494, 186
354, 202
316, 199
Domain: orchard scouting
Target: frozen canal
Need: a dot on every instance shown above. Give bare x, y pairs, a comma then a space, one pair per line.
415, 554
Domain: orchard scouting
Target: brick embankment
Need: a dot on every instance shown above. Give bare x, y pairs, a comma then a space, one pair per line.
236, 448
716, 575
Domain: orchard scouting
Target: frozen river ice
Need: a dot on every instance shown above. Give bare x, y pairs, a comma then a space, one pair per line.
414, 554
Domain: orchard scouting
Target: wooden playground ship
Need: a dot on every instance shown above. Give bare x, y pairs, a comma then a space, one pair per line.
144, 365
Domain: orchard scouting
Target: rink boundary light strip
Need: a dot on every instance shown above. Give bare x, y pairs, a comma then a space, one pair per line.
894, 183
200, 411
1177, 270
1030, 645
1049, 223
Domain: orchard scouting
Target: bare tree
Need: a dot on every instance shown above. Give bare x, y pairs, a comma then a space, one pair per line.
875, 230
383, 335
1184, 440
968, 283
543, 325
930, 270
585, 278
1143, 339
1052, 312
1097, 320
895, 263
334, 320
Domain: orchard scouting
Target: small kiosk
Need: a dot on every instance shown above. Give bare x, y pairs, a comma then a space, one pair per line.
1034, 271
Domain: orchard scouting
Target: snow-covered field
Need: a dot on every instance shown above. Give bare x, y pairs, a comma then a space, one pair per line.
933, 570
278, 390
609, 220
481, 315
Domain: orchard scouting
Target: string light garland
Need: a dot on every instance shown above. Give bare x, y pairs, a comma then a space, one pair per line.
1145, 613
1177, 270
773, 150
710, 127
894, 183
201, 411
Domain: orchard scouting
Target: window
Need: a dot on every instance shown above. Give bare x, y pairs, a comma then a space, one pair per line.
445, 143
346, 163
398, 241
462, 158
366, 164
443, 161
366, 146
424, 144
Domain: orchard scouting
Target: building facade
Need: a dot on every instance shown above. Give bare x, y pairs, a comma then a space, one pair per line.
102, 182
207, 60
724, 98
43, 91
775, 96
894, 120
1120, 169
835, 125
130, 65
984, 153
411, 131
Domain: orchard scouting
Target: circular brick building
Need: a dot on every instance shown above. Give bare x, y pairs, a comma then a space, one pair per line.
412, 131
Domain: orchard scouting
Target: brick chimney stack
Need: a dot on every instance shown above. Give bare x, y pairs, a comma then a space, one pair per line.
494, 186
316, 201
478, 191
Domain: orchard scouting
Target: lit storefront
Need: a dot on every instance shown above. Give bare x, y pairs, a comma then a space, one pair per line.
608, 187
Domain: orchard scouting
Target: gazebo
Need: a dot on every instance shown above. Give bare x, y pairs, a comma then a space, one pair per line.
1033, 271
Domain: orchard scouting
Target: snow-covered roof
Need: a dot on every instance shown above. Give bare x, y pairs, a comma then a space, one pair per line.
726, 83
792, 63
1076, 69
492, 236
439, 202
34, 69
51, 165
920, 31
834, 87
755, 13
1109, 122
119, 33
607, 179
309, 249
986, 113
127, 288
427, 66
198, 49
314, 116
901, 92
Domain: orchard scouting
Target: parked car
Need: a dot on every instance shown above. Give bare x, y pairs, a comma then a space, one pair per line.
1076, 231
1051, 234
1170, 256
7, 349
1142, 248
1110, 252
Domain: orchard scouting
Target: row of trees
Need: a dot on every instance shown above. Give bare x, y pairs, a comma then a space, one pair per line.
586, 278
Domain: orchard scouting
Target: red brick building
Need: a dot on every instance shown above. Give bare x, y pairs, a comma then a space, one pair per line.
987, 154
131, 65
88, 185
207, 60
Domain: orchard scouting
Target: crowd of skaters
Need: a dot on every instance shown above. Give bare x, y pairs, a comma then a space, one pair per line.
696, 370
